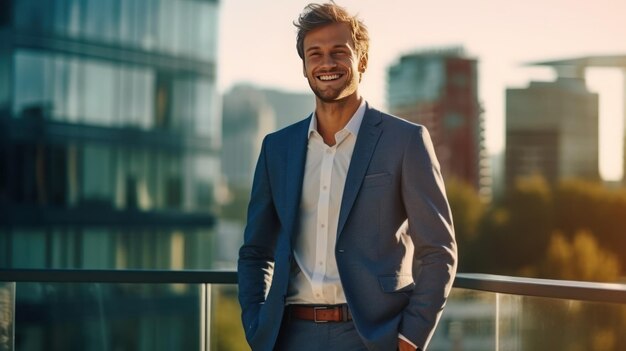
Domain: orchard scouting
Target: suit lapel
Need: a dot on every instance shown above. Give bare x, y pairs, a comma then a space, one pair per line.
296, 159
366, 141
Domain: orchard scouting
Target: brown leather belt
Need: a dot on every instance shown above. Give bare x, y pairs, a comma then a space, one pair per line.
320, 314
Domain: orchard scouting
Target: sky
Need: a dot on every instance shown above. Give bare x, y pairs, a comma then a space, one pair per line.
256, 45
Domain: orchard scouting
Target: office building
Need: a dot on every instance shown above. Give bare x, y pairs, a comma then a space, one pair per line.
250, 113
552, 128
110, 131
439, 89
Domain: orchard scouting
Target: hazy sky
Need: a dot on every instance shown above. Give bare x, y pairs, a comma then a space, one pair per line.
257, 45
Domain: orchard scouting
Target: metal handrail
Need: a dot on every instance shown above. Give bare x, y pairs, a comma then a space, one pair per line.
548, 288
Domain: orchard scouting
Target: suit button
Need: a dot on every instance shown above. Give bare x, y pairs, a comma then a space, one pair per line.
341, 251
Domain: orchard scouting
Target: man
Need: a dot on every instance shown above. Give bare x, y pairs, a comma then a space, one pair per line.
349, 243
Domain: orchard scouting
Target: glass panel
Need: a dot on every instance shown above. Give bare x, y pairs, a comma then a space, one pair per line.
167, 23
207, 42
60, 90
65, 316
75, 90
98, 23
98, 249
29, 82
183, 104
226, 330
99, 87
206, 170
206, 116
556, 324
5, 248
468, 322
481, 321
96, 172
28, 248
7, 316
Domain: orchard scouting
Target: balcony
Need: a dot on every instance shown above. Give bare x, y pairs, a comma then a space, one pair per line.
197, 310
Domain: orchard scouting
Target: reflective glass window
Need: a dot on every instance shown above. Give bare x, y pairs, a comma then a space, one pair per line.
63, 248
28, 248
206, 121
98, 93
98, 248
207, 31
29, 86
98, 19
206, 172
75, 89
96, 175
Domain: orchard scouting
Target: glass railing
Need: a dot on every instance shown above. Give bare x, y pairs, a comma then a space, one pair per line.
198, 310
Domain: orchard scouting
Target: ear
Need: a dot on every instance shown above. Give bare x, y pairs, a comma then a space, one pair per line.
363, 63
303, 69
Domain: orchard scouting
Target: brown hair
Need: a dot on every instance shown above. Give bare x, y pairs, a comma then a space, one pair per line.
318, 15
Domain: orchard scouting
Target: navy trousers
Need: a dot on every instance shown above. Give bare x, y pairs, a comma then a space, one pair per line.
301, 335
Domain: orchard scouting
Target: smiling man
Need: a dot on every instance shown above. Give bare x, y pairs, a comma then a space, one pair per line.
349, 243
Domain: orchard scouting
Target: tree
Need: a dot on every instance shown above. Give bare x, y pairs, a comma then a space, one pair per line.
526, 219
467, 211
579, 259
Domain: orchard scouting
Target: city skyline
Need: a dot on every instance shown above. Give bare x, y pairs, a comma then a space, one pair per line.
502, 36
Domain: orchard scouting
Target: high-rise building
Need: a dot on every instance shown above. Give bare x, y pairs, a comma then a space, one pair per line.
250, 113
110, 131
439, 89
552, 129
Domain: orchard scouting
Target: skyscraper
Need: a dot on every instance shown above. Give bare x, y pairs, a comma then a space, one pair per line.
552, 128
250, 113
109, 133
439, 89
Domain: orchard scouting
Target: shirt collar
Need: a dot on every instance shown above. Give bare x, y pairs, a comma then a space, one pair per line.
354, 124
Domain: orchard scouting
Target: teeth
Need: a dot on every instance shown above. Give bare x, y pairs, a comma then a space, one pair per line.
329, 77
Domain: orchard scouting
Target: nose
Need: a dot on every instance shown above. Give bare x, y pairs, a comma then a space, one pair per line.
328, 61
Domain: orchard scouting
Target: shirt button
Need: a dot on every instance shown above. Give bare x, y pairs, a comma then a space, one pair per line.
323, 225
325, 187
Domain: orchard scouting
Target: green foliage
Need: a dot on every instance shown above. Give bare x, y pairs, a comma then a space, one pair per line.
579, 259
588, 205
518, 236
467, 209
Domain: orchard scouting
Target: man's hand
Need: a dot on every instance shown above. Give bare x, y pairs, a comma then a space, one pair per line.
404, 346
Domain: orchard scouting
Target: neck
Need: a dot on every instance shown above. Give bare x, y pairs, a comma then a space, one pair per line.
333, 116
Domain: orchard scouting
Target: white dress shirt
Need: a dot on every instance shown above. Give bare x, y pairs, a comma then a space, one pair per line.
317, 279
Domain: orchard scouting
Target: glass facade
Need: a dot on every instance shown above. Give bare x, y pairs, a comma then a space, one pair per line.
175, 27
101, 93
110, 129
109, 143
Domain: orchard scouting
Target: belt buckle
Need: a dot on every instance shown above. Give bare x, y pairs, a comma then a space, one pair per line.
315, 309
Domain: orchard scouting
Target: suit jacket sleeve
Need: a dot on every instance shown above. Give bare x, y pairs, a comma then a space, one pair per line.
256, 256
431, 229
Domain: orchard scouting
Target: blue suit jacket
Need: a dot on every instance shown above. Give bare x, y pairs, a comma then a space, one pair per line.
395, 250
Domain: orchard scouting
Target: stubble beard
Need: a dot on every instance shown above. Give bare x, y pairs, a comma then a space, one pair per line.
333, 95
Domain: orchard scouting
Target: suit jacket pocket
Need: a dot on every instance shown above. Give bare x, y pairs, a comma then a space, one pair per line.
396, 283
376, 179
